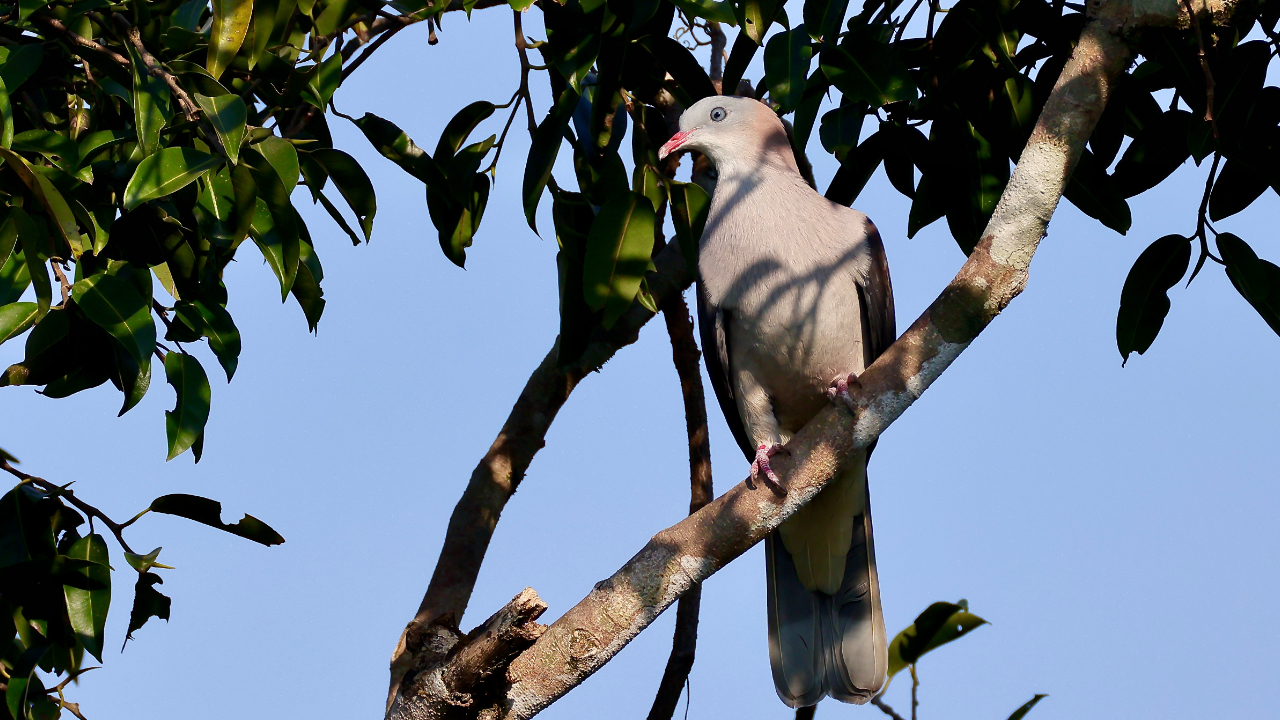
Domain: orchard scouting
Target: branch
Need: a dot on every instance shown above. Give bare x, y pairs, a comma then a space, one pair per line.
884, 708
685, 355
116, 528
676, 559
500, 471
189, 108
81, 42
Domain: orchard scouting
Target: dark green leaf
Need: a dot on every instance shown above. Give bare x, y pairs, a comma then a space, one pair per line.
6, 117
118, 308
87, 609
708, 10
217, 325
166, 172
274, 226
619, 247
209, 512
925, 209
185, 423
18, 64
683, 68
151, 110
1144, 301
54, 204
744, 50
323, 81
841, 128
824, 17
62, 151
456, 132
689, 206
786, 62
1237, 186
939, 624
133, 378
264, 23
399, 148
1154, 154
1257, 280
755, 17
1092, 190
856, 170
147, 603
352, 182
870, 71
227, 114
283, 158
1022, 711
306, 289
542, 154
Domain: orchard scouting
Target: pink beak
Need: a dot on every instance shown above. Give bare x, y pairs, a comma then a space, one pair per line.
674, 143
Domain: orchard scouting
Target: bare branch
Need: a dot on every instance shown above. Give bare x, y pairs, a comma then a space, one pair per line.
154, 69
116, 528
502, 468
884, 708
81, 42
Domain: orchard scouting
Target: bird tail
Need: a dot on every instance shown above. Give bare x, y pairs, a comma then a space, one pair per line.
827, 643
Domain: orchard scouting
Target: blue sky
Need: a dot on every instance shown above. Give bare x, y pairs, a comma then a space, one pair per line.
1115, 525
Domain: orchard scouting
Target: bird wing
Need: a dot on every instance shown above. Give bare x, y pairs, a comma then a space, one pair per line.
879, 323
713, 326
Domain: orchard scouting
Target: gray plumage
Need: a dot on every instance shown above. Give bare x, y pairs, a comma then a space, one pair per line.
794, 292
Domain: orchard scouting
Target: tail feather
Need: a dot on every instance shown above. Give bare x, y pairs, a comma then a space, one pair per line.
827, 644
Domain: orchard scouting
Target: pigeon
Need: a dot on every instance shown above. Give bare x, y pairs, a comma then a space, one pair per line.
794, 301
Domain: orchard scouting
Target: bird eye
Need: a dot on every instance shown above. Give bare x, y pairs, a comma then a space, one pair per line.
719, 114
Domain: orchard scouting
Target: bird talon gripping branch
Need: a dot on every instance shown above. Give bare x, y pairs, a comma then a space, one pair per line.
839, 391
761, 465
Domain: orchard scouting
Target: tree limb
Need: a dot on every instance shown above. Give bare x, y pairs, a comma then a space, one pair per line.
498, 475
685, 355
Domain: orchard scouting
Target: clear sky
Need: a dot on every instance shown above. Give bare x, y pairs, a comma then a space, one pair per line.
1115, 525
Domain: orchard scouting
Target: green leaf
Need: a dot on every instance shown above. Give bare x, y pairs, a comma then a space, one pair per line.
260, 30
938, 625
306, 289
1154, 154
87, 609
1144, 301
151, 111
209, 512
95, 141
689, 206
542, 154
18, 64
1237, 186
334, 213
230, 24
14, 278
755, 17
188, 15
216, 325
824, 17
118, 308
54, 204
786, 63
841, 128
283, 157
185, 423
1257, 280
1022, 711
868, 71
147, 603
456, 132
133, 378
1092, 190
227, 114
856, 169
323, 81
352, 182
684, 68
399, 148
35, 250
275, 226
61, 151
17, 318
6, 117
143, 563
166, 172
458, 219
619, 250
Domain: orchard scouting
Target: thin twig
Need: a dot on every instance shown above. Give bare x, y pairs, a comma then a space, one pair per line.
902, 27
116, 528
189, 108
915, 685
62, 279
884, 708
374, 47
515, 101
1202, 221
522, 47
83, 42
1204, 65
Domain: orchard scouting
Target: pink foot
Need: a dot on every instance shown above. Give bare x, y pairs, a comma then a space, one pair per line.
839, 391
760, 469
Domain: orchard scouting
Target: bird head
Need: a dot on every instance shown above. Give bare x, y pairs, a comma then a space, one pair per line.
731, 130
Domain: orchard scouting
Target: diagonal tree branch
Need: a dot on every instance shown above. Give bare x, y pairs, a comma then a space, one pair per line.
684, 351
498, 475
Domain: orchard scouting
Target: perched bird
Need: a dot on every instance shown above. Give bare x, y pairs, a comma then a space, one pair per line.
793, 295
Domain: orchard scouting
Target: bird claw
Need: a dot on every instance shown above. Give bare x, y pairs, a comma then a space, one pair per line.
760, 468
839, 391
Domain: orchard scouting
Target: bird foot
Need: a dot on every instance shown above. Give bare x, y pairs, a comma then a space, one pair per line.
760, 468
839, 391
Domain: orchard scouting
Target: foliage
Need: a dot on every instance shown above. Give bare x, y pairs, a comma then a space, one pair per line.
55, 585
